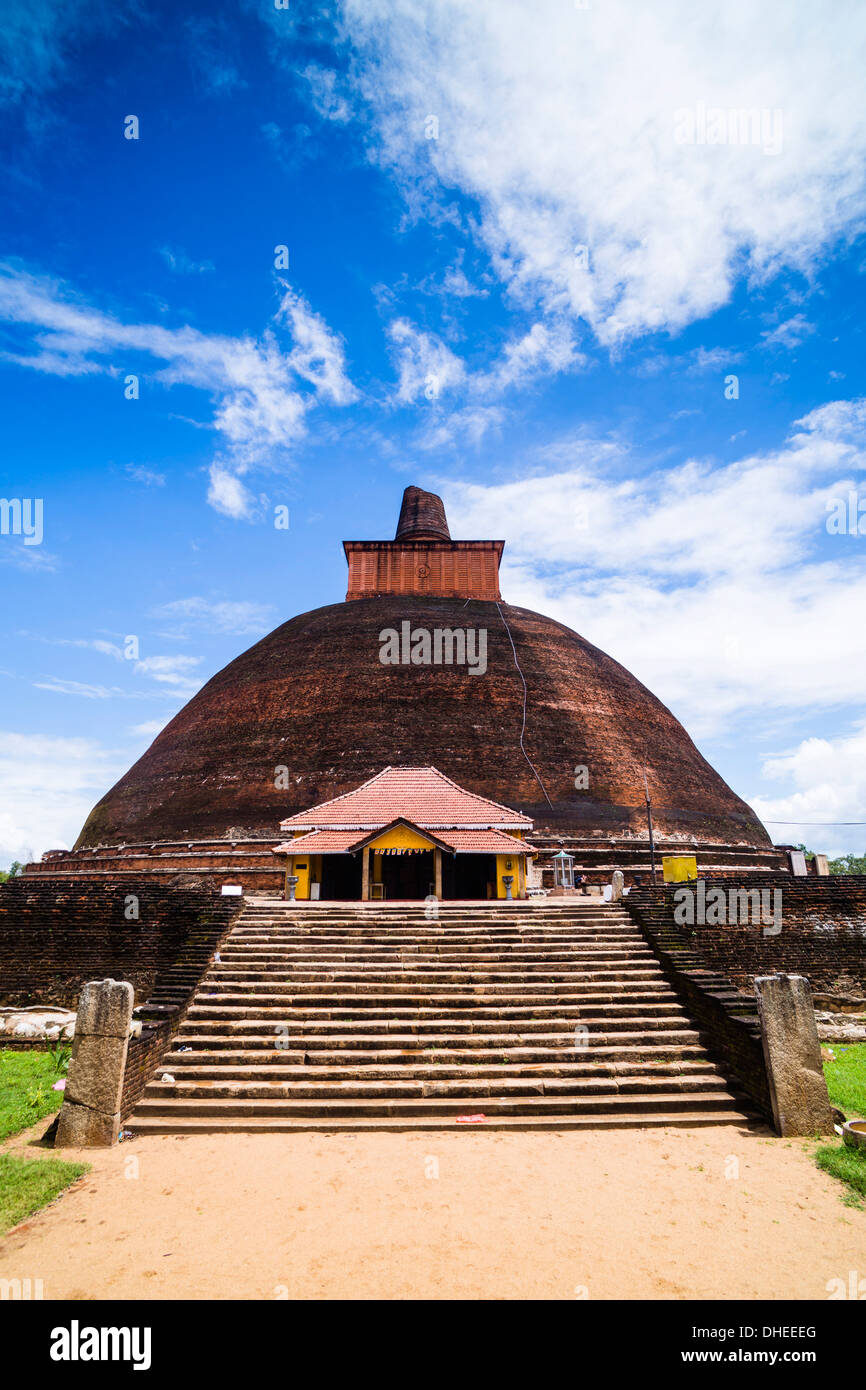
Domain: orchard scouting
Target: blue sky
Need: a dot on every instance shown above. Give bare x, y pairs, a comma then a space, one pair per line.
523, 267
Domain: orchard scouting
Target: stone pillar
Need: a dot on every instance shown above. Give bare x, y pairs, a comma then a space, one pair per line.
365, 874
792, 1053
437, 872
616, 886
90, 1114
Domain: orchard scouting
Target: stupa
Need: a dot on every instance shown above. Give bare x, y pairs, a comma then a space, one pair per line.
513, 706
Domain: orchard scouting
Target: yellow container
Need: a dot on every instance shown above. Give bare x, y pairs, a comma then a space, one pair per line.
679, 868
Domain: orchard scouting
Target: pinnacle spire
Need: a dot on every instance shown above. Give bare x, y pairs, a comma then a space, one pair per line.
422, 516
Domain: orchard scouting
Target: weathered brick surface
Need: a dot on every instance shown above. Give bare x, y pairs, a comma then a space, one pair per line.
823, 933
249, 863
728, 1020
57, 934
314, 697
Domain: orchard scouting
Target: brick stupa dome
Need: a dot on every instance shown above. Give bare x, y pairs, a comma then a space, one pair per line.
314, 698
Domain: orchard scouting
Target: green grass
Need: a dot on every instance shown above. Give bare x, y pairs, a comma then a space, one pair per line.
846, 1078
848, 1165
846, 1084
26, 1184
26, 1079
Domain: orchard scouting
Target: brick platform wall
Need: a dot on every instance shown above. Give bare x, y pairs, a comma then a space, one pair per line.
726, 1019
57, 934
823, 933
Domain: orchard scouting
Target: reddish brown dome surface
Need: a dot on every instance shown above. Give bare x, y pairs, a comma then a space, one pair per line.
313, 697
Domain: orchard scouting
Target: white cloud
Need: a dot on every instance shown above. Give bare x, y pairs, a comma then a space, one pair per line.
147, 476
182, 264
150, 728
47, 788
173, 671
219, 615
227, 494
61, 686
826, 788
326, 95
263, 392
544, 350
560, 123
35, 40
426, 366
718, 587
789, 334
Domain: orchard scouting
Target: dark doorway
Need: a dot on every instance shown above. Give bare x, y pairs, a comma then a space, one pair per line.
408, 875
341, 877
468, 875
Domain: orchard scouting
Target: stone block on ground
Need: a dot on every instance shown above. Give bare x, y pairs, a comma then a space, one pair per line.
96, 1069
798, 1089
105, 1011
90, 1114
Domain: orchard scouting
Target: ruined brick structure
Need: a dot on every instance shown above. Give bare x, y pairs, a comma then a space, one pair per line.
314, 699
823, 932
55, 936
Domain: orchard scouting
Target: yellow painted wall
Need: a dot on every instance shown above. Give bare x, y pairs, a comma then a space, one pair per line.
300, 865
514, 861
401, 837
679, 868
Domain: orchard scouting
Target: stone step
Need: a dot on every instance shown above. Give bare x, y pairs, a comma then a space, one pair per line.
627, 1118
610, 1061
381, 1018
668, 1100
365, 981
284, 985
436, 931
448, 937
352, 1009
666, 1017
409, 1087
517, 1051
541, 1046
511, 962
442, 940
488, 993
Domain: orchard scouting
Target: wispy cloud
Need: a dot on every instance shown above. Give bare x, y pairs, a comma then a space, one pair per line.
263, 391
217, 615
704, 580
558, 122
147, 476
36, 41
182, 264
789, 334
327, 93
47, 787
176, 672
826, 787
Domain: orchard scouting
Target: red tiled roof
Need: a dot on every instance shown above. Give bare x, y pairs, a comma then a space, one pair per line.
483, 842
320, 842
420, 794
461, 841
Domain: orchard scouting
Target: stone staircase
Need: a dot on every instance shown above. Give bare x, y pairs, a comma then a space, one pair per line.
346, 1017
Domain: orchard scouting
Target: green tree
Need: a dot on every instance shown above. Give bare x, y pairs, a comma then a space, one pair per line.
849, 864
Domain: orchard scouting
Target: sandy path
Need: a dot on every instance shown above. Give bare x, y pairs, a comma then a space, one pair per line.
634, 1214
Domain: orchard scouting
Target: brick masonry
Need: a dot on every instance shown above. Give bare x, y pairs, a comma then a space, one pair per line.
57, 934
726, 1018
823, 932
713, 968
